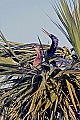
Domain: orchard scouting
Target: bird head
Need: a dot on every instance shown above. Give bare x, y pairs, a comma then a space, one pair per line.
53, 37
48, 34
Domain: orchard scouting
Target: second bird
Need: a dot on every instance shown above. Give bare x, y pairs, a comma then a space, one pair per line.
39, 56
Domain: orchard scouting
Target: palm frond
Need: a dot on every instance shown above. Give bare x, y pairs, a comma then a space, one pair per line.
70, 19
37, 93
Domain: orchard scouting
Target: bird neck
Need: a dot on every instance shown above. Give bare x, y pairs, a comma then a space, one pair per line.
38, 54
54, 43
52, 46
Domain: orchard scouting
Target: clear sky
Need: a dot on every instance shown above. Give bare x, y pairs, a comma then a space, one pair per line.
22, 20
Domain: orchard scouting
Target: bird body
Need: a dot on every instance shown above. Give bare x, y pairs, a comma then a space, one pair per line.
50, 52
39, 56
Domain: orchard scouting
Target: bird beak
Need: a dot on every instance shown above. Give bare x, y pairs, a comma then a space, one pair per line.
45, 32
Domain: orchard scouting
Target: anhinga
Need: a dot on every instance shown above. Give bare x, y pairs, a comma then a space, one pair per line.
39, 56
50, 52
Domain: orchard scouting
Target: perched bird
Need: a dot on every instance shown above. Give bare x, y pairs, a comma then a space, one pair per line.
39, 56
50, 52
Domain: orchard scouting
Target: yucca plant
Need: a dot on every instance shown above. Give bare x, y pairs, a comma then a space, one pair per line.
68, 12
44, 92
38, 93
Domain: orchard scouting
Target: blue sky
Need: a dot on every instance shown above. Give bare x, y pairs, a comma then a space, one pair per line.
22, 20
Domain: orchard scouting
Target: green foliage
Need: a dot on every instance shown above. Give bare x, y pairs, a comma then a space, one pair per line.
38, 93
42, 92
68, 12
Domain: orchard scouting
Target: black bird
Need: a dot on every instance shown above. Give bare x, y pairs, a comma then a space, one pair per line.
50, 52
